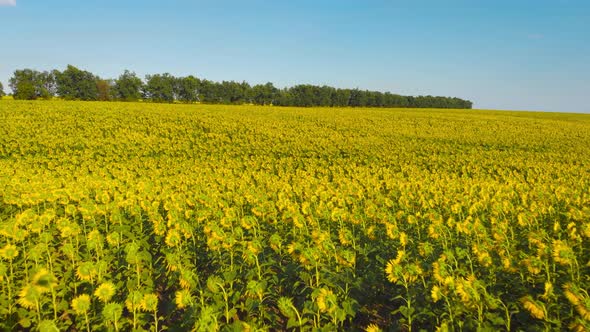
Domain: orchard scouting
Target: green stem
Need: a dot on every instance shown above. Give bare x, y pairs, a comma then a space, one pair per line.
87, 322
134, 318
225, 298
8, 281
38, 311
137, 271
298, 316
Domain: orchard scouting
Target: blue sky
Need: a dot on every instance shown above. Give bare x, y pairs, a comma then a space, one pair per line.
517, 54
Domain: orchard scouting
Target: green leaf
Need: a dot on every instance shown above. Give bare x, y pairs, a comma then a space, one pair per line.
48, 326
25, 322
292, 322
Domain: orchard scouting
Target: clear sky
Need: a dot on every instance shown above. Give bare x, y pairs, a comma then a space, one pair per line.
501, 54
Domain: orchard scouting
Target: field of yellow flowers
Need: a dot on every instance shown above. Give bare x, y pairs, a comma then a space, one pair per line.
148, 217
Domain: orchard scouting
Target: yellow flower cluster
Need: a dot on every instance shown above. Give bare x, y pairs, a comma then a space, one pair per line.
290, 218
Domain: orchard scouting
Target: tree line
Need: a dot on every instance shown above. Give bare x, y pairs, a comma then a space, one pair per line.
76, 84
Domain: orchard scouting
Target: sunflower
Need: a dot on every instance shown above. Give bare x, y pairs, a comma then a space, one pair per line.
105, 291
81, 304
86, 271
435, 293
372, 328
149, 302
183, 298
562, 253
286, 306
173, 238
43, 281
9, 252
536, 310
28, 297
326, 300
391, 270
112, 312
403, 239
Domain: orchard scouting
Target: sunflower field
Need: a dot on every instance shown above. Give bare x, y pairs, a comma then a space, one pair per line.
150, 217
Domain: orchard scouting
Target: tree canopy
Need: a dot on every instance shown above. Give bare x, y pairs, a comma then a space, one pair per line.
31, 84
128, 87
77, 84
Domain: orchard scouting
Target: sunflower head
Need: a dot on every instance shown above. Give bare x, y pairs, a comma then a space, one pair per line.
105, 291
86, 271
183, 299
326, 300
372, 328
9, 252
536, 309
81, 304
286, 306
28, 297
112, 312
435, 293
43, 280
213, 283
173, 238
149, 302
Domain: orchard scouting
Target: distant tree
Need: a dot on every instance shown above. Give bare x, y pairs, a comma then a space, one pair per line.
208, 92
186, 89
285, 98
45, 85
128, 87
358, 98
323, 96
302, 95
28, 84
340, 97
246, 93
104, 90
264, 94
76, 84
160, 88
2, 94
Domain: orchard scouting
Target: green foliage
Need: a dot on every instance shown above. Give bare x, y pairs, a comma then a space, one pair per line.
76, 84
28, 84
187, 89
265, 94
160, 88
128, 87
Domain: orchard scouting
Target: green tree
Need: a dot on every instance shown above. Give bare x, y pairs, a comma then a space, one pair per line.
1, 90
186, 89
76, 84
323, 95
340, 97
23, 83
128, 87
45, 85
159, 88
303, 95
264, 94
